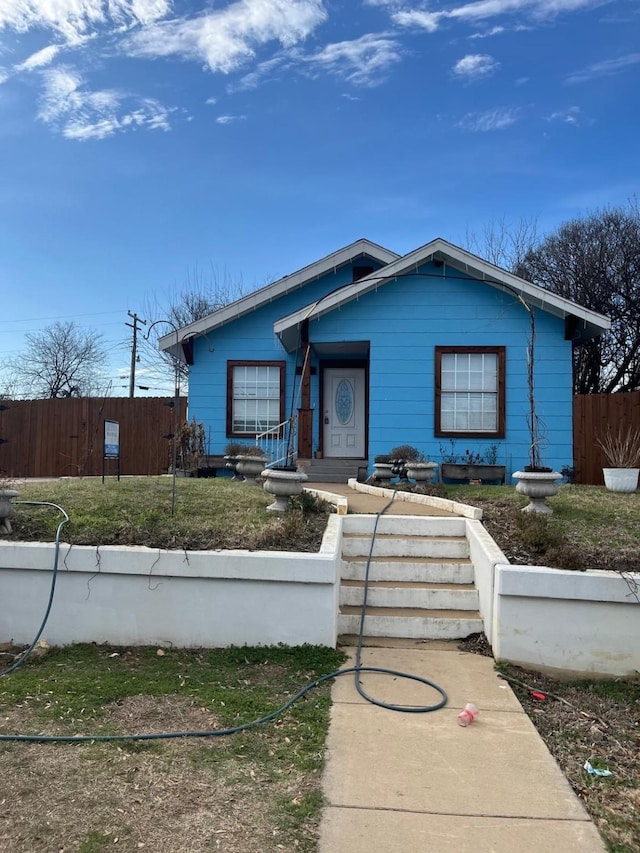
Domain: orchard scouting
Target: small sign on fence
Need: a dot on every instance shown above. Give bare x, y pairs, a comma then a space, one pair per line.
111, 439
111, 444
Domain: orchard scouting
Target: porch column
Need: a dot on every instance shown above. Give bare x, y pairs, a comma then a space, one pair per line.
305, 412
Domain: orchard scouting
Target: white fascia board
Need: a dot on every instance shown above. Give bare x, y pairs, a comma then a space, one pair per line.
467, 262
277, 289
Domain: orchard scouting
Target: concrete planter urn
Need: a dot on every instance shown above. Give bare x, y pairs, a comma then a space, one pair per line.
421, 472
250, 467
621, 479
538, 486
231, 463
282, 484
6, 509
384, 472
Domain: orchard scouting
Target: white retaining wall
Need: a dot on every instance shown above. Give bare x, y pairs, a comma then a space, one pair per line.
141, 596
485, 556
571, 623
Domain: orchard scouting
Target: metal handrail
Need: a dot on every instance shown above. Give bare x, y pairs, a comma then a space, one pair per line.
279, 444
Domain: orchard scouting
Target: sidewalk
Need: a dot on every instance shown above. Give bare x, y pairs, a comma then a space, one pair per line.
419, 782
360, 502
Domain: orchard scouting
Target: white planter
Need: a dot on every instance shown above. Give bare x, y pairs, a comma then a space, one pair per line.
230, 463
6, 509
250, 467
282, 485
538, 486
621, 479
421, 472
383, 471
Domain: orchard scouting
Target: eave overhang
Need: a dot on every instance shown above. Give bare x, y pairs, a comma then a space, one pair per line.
583, 323
174, 341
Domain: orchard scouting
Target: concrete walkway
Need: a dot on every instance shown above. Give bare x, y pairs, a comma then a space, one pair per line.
360, 502
419, 782
403, 782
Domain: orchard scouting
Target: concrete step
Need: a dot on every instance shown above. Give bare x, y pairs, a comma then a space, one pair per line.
334, 470
390, 545
340, 478
398, 594
410, 622
413, 569
405, 525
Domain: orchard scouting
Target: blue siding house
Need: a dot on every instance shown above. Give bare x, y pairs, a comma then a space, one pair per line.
367, 350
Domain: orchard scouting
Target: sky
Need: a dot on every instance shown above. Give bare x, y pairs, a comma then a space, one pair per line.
148, 143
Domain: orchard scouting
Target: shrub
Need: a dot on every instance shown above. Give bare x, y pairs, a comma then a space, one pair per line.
253, 450
235, 448
537, 534
407, 453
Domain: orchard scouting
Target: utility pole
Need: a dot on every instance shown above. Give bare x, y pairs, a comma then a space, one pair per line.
134, 349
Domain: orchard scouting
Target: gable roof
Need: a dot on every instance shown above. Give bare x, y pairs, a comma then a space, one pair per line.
590, 323
171, 342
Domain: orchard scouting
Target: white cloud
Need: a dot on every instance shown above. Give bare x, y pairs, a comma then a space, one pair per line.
211, 101
484, 9
482, 122
225, 39
362, 61
79, 113
494, 31
259, 73
229, 119
39, 59
475, 65
74, 19
569, 116
429, 21
481, 10
606, 68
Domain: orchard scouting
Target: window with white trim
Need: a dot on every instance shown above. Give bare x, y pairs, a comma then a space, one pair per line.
470, 391
255, 396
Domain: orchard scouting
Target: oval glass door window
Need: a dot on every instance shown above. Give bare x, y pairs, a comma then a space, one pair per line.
344, 401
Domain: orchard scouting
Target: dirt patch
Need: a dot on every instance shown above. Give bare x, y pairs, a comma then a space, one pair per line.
169, 796
600, 725
588, 721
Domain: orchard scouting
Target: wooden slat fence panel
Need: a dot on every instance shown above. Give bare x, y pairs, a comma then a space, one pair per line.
62, 438
58, 438
593, 414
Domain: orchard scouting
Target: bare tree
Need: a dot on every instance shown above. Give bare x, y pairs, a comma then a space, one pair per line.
200, 295
595, 261
62, 360
503, 244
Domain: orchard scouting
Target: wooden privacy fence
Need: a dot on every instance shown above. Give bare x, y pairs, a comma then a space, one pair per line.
593, 414
62, 438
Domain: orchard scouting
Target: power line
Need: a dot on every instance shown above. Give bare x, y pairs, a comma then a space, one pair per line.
59, 317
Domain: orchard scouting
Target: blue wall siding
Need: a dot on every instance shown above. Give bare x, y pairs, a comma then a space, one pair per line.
404, 320
250, 338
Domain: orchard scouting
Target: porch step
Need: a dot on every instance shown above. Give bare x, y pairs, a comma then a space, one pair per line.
415, 623
334, 470
396, 545
407, 594
420, 578
405, 525
416, 569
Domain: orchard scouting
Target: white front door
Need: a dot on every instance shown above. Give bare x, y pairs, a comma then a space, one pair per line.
344, 412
